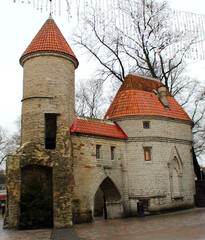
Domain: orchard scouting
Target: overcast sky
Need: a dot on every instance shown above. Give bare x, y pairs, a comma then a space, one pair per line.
19, 23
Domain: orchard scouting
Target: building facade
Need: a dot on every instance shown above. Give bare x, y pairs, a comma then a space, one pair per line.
140, 151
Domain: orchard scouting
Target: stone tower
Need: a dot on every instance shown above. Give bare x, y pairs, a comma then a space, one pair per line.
47, 114
48, 86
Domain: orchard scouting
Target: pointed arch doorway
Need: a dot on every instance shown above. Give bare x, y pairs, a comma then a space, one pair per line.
107, 200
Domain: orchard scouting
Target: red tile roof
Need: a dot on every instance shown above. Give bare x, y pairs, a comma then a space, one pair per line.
97, 127
49, 38
136, 98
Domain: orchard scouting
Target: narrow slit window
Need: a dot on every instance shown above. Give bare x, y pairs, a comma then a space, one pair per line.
112, 152
98, 151
50, 131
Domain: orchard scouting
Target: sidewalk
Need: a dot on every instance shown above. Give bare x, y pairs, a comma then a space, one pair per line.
23, 235
43, 234
184, 225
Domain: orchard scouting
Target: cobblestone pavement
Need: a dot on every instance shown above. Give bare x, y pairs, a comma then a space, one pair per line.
65, 234
43, 234
185, 225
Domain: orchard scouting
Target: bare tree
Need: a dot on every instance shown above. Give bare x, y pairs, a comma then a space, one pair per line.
2, 177
197, 114
147, 45
9, 142
89, 98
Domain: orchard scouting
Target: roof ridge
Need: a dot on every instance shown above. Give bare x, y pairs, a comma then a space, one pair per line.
144, 77
91, 119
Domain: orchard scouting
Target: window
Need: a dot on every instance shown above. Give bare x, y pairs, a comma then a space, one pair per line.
50, 131
112, 152
146, 125
147, 153
98, 151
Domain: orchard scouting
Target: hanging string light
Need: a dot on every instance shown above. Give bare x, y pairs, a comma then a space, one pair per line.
110, 10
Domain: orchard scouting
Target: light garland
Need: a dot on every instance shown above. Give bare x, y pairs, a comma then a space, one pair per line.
191, 23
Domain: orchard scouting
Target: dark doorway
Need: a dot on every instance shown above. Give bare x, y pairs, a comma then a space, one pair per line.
107, 194
36, 205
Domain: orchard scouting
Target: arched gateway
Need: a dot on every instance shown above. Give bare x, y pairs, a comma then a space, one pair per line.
107, 200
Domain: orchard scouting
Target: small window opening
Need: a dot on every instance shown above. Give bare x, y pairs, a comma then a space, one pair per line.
98, 151
112, 152
50, 131
146, 125
147, 154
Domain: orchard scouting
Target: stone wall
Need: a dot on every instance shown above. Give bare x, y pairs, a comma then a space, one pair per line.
48, 88
164, 183
60, 161
90, 172
170, 143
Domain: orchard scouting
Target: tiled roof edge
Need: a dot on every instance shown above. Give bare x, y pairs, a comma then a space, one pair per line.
74, 125
22, 59
124, 134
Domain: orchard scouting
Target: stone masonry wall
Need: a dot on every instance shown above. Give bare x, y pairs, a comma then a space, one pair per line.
89, 172
152, 180
136, 179
48, 88
60, 161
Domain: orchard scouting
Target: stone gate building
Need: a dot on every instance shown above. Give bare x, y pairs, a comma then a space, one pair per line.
140, 151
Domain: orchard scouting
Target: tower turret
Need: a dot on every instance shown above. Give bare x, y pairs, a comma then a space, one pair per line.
48, 87
47, 114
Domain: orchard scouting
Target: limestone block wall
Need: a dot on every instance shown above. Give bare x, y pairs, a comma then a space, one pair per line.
160, 127
163, 183
89, 172
154, 181
60, 162
48, 88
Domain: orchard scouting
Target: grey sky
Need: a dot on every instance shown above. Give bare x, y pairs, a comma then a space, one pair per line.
19, 24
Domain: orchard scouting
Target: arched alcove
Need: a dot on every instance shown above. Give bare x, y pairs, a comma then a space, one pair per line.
36, 205
176, 178
107, 200
175, 183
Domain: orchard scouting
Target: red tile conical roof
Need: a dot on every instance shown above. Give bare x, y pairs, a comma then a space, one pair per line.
136, 97
49, 39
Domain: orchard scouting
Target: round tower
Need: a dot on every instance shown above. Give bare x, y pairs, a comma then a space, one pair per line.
159, 158
48, 86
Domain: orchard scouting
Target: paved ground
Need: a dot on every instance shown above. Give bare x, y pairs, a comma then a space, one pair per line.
186, 225
24, 235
